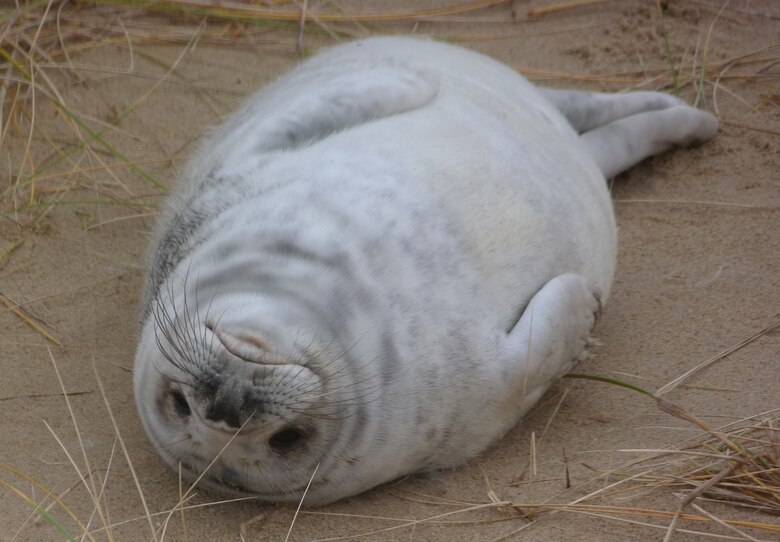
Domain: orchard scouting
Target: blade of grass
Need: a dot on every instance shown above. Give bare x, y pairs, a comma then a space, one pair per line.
562, 6
297, 510
15, 309
87, 477
227, 8
8, 251
608, 380
126, 454
39, 510
704, 364
46, 204
668, 47
50, 494
93, 135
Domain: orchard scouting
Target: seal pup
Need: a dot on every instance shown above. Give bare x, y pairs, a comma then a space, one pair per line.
379, 264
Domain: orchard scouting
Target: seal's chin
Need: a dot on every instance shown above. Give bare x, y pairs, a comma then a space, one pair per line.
218, 479
225, 484
218, 463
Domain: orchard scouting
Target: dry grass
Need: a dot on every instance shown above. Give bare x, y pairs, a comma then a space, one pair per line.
81, 160
49, 164
738, 464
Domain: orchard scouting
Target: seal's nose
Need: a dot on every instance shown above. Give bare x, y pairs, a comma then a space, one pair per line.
228, 406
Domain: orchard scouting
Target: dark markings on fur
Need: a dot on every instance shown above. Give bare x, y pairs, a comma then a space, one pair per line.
183, 235
289, 249
359, 422
298, 133
390, 363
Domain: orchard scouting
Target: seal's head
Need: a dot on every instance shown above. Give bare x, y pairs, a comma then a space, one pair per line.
246, 400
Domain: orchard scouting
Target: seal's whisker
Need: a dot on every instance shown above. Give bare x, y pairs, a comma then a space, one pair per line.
186, 325
193, 329
161, 318
182, 438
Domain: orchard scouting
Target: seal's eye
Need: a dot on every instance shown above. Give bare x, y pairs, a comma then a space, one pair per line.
180, 403
286, 439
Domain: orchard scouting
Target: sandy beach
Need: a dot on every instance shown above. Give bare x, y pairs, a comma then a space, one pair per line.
120, 97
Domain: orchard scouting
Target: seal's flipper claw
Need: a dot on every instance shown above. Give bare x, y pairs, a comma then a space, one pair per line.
550, 337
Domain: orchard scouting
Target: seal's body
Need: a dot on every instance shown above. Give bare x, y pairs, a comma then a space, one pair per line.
379, 264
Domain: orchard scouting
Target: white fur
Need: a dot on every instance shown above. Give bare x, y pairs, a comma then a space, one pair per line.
404, 244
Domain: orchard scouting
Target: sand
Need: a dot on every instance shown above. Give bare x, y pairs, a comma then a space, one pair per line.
699, 272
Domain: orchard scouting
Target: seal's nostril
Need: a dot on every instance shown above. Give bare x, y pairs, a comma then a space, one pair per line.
286, 439
226, 407
180, 403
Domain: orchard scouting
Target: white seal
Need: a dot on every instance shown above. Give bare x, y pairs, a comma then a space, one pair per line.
379, 264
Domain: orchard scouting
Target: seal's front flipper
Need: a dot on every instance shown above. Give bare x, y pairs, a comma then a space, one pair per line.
619, 145
550, 337
294, 113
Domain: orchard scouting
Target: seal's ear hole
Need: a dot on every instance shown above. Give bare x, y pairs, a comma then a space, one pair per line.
286, 439
180, 403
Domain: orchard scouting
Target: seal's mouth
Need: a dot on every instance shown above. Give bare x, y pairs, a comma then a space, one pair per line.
226, 481
211, 480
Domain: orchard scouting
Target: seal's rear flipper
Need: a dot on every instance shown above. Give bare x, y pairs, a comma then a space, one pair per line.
550, 337
588, 110
619, 145
297, 113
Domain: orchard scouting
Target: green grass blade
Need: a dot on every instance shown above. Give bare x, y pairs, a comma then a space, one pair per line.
40, 510
96, 136
668, 50
608, 380
93, 135
44, 204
